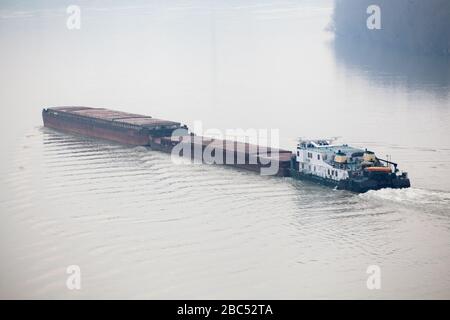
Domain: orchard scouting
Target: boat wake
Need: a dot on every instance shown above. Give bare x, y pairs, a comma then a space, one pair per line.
411, 197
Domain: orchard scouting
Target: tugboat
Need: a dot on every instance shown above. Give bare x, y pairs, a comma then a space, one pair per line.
345, 167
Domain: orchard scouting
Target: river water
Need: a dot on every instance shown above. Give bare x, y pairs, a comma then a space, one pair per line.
139, 226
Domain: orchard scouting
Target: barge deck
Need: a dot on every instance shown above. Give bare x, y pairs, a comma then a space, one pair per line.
164, 135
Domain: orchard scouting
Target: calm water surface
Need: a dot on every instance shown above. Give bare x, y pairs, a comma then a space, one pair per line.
141, 227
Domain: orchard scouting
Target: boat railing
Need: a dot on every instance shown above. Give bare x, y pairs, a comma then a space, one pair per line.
389, 163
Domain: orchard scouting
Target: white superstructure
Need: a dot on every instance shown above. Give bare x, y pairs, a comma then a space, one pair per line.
324, 159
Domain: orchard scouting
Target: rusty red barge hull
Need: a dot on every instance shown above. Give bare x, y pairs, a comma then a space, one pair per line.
162, 135
107, 124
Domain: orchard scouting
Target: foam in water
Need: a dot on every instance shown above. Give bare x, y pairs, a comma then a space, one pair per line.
413, 196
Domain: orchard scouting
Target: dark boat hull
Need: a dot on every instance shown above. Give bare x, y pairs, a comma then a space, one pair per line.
359, 185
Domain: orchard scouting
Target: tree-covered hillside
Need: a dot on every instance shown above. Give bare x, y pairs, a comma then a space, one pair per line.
416, 25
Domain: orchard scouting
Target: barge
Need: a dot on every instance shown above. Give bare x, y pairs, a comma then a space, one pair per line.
164, 135
323, 161
118, 126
